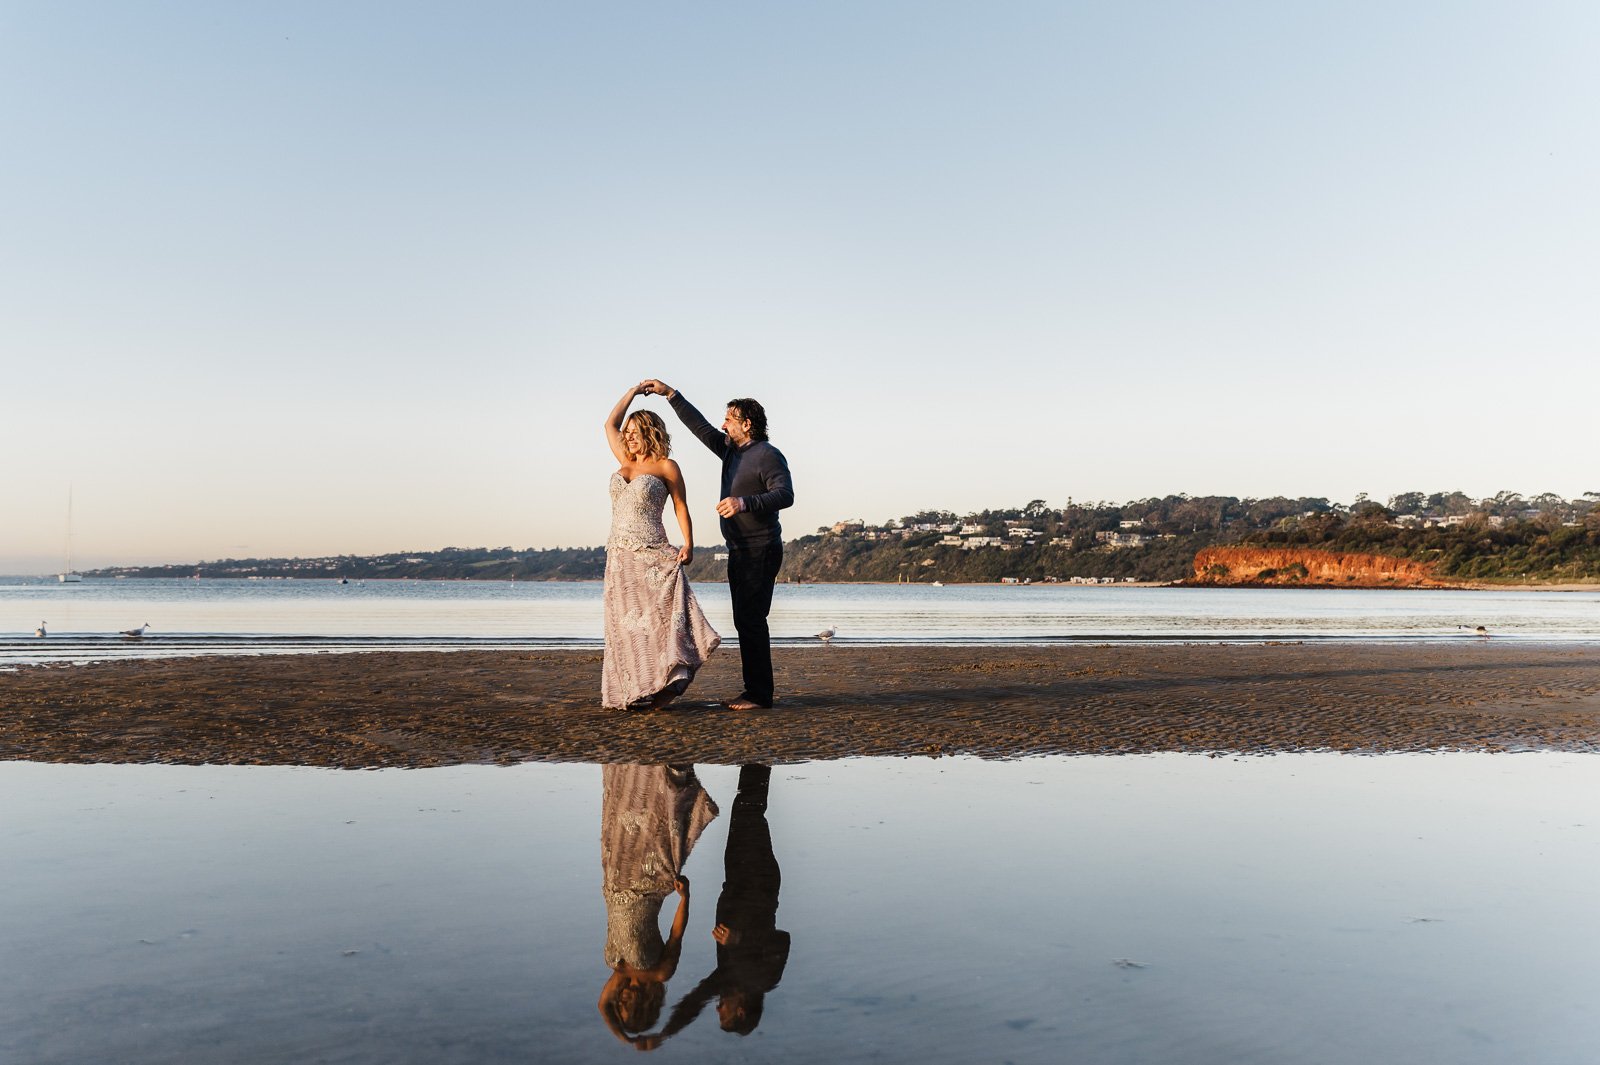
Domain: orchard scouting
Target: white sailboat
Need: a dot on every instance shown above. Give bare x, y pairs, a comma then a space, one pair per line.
70, 576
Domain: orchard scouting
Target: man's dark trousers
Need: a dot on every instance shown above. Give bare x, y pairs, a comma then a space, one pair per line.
752, 569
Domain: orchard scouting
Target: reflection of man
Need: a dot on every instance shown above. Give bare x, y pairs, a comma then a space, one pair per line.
751, 950
755, 486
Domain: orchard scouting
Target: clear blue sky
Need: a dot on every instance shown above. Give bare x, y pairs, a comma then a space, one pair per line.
323, 278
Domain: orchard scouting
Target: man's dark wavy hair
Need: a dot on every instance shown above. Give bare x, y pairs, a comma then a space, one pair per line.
754, 413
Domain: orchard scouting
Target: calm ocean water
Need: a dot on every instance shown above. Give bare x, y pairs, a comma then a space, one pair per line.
1309, 909
214, 616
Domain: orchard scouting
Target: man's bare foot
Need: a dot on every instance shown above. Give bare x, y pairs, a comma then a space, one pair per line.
744, 703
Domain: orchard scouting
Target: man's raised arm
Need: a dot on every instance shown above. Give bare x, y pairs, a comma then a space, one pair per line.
692, 419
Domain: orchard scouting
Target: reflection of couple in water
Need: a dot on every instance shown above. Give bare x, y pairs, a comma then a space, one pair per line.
651, 817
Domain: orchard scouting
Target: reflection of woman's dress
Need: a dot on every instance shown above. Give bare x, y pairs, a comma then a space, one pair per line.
656, 634
650, 818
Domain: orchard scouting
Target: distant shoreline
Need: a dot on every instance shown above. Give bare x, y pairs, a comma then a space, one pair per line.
1475, 586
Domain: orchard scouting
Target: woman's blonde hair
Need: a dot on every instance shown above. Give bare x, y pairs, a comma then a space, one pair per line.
653, 435
640, 1011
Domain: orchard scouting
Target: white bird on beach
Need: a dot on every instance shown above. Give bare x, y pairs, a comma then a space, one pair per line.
1481, 631
136, 632
40, 630
828, 633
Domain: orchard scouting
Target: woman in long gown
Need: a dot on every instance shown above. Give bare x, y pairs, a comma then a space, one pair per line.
656, 634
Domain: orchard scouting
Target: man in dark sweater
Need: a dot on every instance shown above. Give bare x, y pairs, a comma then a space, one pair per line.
755, 486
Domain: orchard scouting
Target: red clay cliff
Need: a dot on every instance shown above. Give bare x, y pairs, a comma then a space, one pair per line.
1304, 566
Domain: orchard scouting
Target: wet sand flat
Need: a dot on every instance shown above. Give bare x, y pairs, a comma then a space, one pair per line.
429, 709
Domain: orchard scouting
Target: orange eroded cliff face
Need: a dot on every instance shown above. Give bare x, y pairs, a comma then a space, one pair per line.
1304, 566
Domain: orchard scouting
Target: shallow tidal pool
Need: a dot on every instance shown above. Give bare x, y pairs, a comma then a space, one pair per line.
1167, 908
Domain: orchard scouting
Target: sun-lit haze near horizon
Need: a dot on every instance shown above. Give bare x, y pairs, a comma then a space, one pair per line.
315, 279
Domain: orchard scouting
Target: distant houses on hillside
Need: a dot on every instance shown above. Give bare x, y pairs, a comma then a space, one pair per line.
1122, 539
972, 536
1100, 524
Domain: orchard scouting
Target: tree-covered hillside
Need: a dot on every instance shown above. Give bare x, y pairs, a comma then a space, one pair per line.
1502, 538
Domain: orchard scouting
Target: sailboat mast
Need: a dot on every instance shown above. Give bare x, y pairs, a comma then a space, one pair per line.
69, 576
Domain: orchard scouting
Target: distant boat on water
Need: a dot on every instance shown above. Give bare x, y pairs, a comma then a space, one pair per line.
69, 576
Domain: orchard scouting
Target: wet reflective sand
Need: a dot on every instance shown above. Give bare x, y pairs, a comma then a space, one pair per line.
1294, 908
422, 709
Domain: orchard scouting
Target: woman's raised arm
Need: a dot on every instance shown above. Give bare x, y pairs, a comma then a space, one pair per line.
614, 423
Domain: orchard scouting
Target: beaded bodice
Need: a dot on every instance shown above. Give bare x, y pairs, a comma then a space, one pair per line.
636, 507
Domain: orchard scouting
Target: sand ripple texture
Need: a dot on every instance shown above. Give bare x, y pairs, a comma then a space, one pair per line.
428, 709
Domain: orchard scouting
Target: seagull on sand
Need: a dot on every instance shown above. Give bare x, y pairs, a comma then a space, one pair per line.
828, 633
1481, 631
136, 632
40, 630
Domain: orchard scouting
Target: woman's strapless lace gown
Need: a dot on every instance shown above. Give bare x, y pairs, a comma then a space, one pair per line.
656, 634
